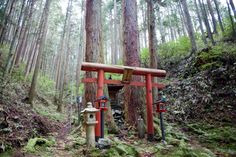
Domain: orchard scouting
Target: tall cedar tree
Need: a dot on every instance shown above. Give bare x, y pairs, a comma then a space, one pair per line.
133, 103
41, 41
189, 25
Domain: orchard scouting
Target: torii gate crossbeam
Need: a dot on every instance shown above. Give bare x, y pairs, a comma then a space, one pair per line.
127, 72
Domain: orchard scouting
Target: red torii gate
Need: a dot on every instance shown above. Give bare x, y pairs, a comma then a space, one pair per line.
127, 72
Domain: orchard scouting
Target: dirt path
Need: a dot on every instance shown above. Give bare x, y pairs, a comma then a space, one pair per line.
62, 141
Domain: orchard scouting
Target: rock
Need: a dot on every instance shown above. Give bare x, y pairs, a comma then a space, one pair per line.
103, 143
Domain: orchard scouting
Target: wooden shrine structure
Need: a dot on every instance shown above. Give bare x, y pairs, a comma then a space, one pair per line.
127, 72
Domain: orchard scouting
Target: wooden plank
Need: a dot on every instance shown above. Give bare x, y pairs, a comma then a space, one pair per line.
118, 82
127, 75
87, 66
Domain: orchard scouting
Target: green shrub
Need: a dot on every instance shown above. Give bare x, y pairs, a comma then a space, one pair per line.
46, 85
145, 57
18, 73
175, 49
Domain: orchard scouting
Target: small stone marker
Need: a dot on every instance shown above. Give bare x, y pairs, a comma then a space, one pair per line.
141, 133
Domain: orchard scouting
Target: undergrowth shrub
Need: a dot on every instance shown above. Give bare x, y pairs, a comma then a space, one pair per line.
216, 56
174, 50
46, 85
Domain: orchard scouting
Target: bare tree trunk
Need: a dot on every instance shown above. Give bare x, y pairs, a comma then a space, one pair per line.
80, 53
200, 22
133, 103
63, 52
152, 35
112, 39
41, 41
93, 42
231, 19
206, 22
7, 14
10, 54
219, 16
22, 43
115, 33
162, 28
181, 13
212, 16
144, 25
189, 26
233, 7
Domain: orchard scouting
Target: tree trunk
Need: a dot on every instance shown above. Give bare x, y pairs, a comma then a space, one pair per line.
189, 25
80, 53
219, 16
63, 57
212, 16
93, 42
233, 7
144, 25
231, 19
41, 41
152, 35
6, 18
115, 34
133, 103
206, 22
21, 47
10, 53
200, 22
181, 13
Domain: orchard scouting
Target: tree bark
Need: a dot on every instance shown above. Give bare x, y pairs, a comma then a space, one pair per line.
219, 16
189, 26
212, 16
10, 53
93, 42
41, 41
231, 19
233, 7
152, 35
63, 57
200, 23
206, 22
6, 18
133, 103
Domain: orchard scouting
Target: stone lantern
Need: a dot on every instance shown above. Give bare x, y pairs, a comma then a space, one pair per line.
90, 121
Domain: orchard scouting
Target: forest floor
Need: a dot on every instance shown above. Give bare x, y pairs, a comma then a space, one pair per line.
200, 121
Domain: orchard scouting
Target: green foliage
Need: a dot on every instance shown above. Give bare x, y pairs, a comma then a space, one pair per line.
34, 144
113, 76
214, 57
46, 85
18, 73
222, 138
145, 57
228, 28
3, 54
175, 49
49, 112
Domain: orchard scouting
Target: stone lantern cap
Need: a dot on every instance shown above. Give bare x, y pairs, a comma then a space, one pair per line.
89, 108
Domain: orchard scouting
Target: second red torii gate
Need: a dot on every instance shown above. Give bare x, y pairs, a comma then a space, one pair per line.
127, 72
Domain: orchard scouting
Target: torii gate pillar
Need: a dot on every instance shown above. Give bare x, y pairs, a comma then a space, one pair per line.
100, 84
150, 128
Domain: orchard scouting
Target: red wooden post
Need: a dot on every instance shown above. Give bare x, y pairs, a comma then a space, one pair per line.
100, 82
150, 129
